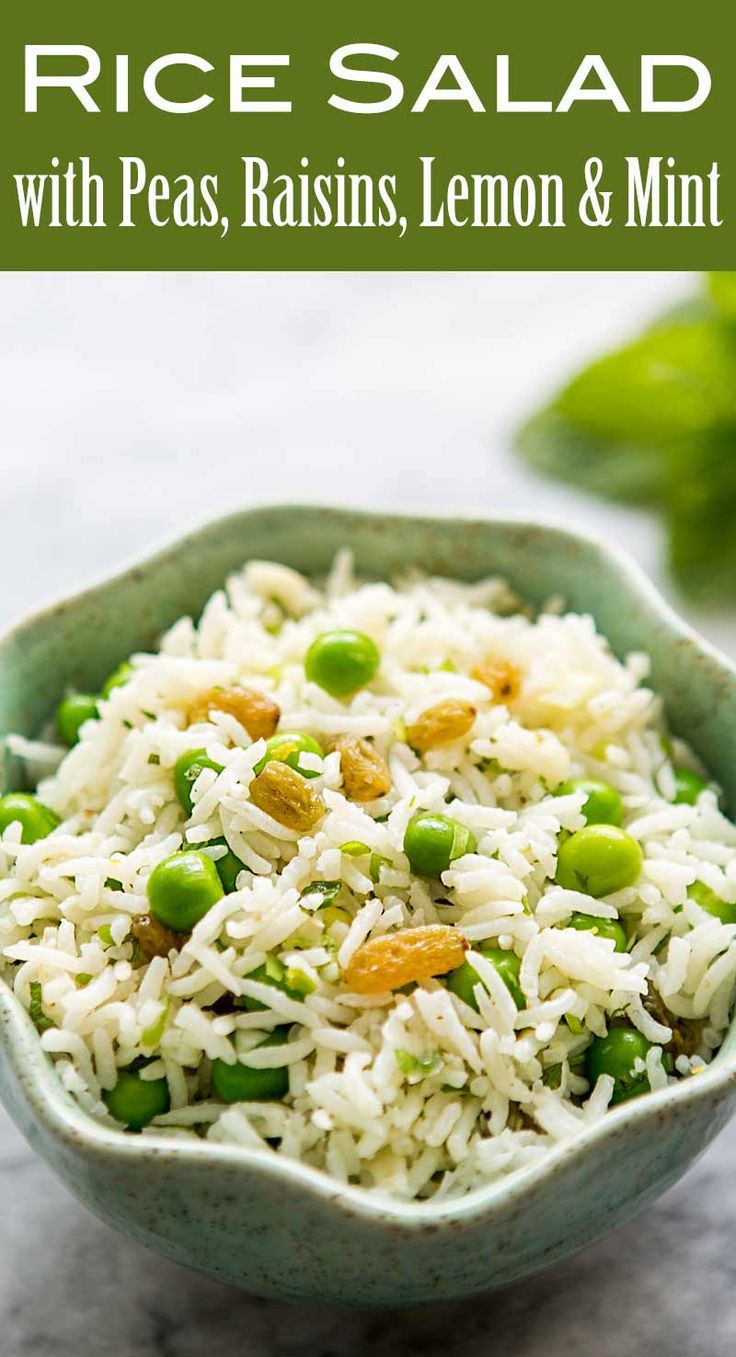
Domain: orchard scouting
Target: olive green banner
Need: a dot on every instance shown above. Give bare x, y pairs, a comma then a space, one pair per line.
385, 135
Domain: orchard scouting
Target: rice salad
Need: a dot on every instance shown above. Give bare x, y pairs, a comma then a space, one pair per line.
401, 881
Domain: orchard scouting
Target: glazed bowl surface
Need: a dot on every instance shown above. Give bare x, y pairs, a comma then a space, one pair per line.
279, 1228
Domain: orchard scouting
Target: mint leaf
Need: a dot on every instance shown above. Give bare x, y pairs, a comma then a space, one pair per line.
558, 447
702, 509
722, 291
655, 423
674, 382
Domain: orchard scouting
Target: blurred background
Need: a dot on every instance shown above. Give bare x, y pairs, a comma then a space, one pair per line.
136, 406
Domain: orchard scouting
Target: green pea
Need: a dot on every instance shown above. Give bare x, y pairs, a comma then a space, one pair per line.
241, 1084
605, 928
270, 973
432, 842
463, 981
182, 888
228, 867
598, 860
688, 786
708, 900
616, 1054
135, 1101
118, 678
72, 712
341, 662
602, 805
35, 819
186, 771
287, 747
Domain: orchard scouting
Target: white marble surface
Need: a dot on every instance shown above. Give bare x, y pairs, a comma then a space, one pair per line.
134, 406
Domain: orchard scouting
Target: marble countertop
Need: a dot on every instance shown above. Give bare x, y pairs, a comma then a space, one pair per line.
136, 405
662, 1286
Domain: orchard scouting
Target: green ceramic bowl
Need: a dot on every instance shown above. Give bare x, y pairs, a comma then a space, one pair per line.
279, 1228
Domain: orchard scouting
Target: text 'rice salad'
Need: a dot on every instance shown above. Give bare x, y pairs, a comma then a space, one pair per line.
400, 882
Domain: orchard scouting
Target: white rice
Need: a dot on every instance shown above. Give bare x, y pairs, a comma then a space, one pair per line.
412, 1093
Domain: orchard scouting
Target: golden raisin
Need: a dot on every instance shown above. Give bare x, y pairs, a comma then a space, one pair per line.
503, 680
449, 720
395, 959
364, 773
255, 711
153, 937
287, 797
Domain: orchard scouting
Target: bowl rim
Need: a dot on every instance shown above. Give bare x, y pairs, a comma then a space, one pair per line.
65, 1121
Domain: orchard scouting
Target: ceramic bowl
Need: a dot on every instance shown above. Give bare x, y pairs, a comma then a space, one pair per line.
279, 1228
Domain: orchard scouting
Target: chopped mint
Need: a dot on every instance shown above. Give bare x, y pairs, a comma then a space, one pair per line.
332, 914
328, 891
355, 849
151, 1036
377, 862
40, 1020
274, 969
428, 1063
490, 766
297, 979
